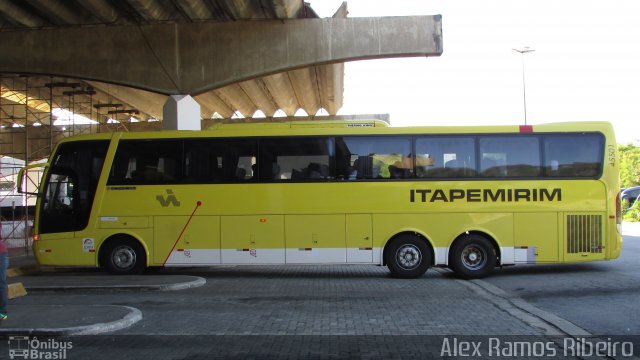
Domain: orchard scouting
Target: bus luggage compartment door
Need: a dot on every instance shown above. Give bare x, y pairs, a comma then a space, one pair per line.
179, 240
253, 239
359, 238
315, 239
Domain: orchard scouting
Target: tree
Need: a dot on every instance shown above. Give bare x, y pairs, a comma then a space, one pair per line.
629, 165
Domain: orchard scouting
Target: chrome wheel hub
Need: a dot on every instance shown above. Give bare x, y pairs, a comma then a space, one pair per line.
408, 256
124, 257
473, 257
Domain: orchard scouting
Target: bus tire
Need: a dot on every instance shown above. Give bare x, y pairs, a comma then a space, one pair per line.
408, 256
123, 256
473, 257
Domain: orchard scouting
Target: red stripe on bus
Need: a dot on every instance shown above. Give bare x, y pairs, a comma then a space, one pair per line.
526, 128
198, 204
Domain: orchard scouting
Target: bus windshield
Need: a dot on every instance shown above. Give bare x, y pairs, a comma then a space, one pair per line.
70, 186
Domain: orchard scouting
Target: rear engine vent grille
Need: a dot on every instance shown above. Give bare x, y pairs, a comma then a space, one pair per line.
584, 234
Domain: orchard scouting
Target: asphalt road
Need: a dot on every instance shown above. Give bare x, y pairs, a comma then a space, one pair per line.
600, 297
351, 311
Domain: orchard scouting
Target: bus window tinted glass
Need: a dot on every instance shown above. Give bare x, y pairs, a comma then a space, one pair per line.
509, 156
71, 186
374, 158
445, 157
147, 162
219, 160
299, 159
573, 155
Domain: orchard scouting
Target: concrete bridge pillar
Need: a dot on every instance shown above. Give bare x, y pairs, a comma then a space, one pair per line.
181, 112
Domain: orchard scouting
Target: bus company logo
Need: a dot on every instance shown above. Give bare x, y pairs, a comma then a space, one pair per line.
24, 347
485, 195
171, 199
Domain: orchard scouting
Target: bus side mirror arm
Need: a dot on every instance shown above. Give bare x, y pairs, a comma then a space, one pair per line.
21, 177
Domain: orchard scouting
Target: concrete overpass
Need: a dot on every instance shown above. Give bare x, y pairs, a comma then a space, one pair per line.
119, 60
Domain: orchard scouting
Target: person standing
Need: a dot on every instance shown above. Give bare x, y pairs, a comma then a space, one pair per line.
4, 288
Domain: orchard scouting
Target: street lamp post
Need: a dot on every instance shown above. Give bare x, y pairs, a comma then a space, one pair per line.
523, 51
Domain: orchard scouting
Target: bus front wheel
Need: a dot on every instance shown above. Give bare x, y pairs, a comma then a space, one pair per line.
473, 257
123, 256
408, 256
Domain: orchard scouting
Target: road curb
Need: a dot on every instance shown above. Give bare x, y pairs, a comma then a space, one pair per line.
133, 316
22, 270
197, 282
563, 325
549, 323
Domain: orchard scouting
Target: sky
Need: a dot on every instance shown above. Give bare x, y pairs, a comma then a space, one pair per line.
585, 67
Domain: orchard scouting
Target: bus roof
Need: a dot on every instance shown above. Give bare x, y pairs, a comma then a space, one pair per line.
358, 127
316, 124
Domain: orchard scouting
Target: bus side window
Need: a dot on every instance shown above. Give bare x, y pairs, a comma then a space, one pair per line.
275, 172
200, 163
445, 157
241, 173
489, 166
424, 164
299, 159
211, 161
573, 155
363, 167
317, 171
147, 162
510, 156
374, 157
453, 164
401, 169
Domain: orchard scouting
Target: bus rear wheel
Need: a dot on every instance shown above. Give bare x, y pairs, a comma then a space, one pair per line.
408, 256
123, 256
473, 257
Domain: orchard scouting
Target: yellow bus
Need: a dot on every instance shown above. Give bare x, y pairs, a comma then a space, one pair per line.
467, 198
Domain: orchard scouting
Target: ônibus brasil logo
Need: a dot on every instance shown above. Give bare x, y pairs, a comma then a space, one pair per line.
24, 347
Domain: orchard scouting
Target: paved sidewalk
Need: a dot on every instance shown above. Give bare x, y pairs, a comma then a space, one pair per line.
78, 319
275, 300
